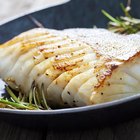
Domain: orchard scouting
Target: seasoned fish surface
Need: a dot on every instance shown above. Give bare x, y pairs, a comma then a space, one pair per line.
106, 43
78, 67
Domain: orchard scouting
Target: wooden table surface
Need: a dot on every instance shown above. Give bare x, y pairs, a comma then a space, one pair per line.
124, 131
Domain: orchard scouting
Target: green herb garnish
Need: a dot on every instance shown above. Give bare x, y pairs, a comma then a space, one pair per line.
124, 24
34, 101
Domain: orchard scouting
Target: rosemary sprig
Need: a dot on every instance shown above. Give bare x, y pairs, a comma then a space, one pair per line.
34, 101
13, 96
124, 24
16, 105
43, 98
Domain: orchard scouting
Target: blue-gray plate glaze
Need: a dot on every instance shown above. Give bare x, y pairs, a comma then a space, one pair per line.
77, 13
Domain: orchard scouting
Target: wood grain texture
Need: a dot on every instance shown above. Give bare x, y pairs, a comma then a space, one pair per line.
125, 131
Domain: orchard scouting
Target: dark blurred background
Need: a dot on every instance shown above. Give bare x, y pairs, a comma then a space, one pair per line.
76, 13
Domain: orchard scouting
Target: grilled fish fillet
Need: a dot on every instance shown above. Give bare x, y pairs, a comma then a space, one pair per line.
78, 67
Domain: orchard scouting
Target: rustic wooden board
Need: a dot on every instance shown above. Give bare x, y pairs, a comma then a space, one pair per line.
125, 131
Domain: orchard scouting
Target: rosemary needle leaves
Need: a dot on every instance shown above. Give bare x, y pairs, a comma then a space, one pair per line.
123, 24
34, 101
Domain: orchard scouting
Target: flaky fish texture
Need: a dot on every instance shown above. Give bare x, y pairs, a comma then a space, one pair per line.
78, 67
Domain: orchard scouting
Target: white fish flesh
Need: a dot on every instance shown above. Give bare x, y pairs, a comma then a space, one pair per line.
78, 67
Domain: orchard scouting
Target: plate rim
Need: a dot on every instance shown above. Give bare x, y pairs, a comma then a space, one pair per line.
12, 18
71, 110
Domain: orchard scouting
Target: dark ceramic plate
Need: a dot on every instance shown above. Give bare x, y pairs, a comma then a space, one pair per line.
77, 13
